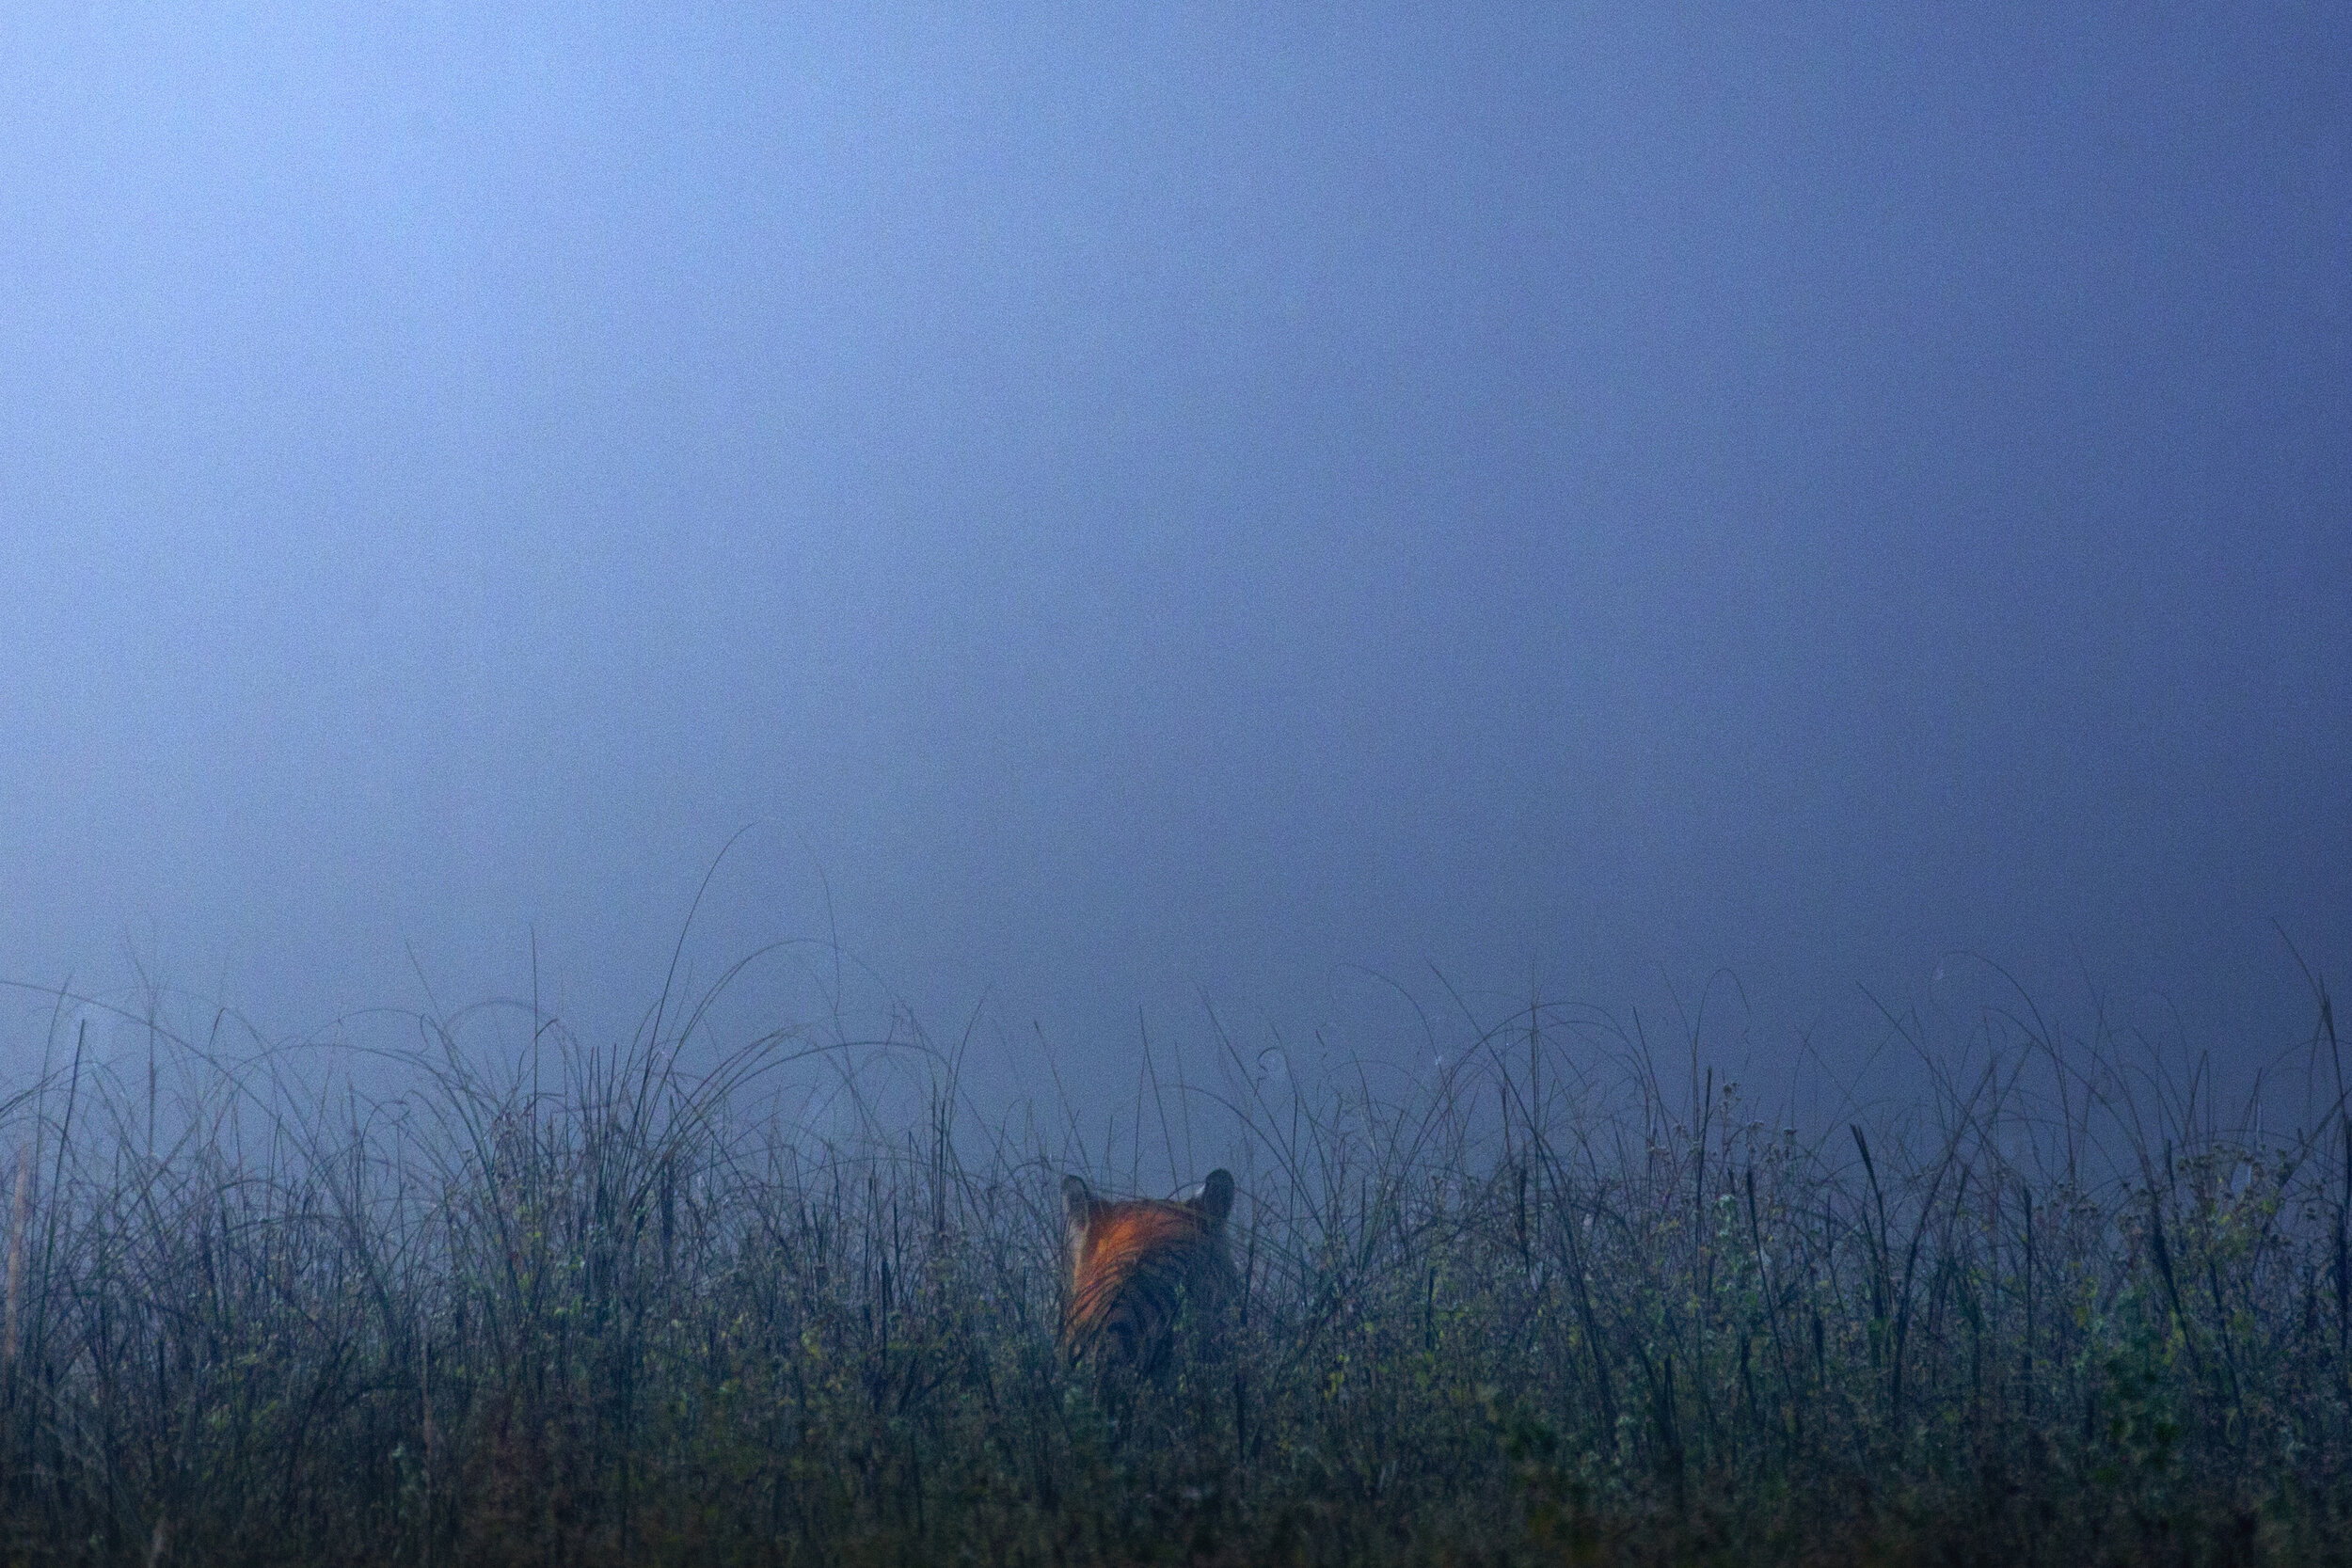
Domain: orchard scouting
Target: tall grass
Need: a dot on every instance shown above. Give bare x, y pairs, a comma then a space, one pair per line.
591, 1306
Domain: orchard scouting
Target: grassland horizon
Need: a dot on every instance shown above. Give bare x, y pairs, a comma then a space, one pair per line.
1569, 1298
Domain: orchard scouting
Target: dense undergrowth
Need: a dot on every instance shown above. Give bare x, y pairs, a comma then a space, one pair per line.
595, 1309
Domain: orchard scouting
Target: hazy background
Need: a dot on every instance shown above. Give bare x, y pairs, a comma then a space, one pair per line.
1150, 509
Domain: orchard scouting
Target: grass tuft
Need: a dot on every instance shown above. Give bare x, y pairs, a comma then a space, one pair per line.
599, 1307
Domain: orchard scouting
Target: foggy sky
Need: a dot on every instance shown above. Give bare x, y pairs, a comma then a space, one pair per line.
1148, 511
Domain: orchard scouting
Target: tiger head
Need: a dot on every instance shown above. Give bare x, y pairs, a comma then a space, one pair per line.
1134, 1262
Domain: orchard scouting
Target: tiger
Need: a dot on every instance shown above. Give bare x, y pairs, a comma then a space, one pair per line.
1134, 1261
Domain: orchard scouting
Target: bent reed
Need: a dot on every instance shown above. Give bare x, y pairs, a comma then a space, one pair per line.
596, 1307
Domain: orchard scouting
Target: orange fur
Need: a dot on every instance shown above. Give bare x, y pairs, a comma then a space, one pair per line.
1134, 1261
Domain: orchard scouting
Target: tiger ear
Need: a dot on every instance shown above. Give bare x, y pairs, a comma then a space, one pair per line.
1077, 1201
1213, 1196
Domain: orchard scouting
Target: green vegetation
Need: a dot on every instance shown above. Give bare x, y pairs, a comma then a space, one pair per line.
595, 1309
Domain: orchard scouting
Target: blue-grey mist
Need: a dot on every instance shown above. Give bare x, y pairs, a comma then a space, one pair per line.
1306, 517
